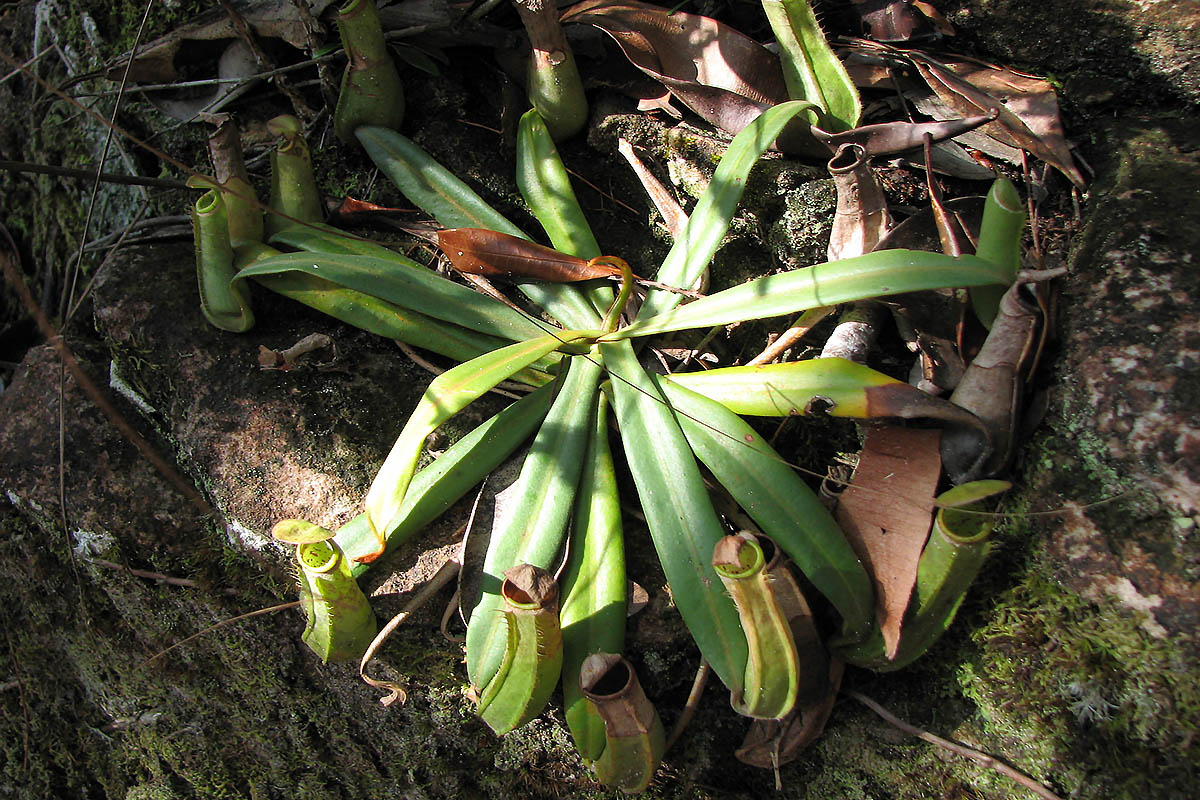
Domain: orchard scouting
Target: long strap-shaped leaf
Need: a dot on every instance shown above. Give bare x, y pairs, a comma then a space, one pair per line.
385, 319
546, 187
872, 275
682, 522
811, 69
710, 219
832, 386
412, 287
322, 238
436, 487
448, 394
542, 499
455, 205
379, 316
779, 502
593, 584
957, 547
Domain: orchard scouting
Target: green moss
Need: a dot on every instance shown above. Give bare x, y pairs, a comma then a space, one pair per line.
1072, 685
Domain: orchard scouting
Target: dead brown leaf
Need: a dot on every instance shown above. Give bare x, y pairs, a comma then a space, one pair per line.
886, 513
272, 19
771, 743
991, 388
724, 76
1027, 107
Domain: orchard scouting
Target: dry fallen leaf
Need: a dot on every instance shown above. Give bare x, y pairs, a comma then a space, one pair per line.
886, 513
156, 62
724, 76
1028, 107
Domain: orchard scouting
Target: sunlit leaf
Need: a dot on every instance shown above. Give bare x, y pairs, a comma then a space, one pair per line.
722, 75
498, 255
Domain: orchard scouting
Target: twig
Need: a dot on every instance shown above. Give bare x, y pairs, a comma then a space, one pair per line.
135, 233
603, 193
807, 321
103, 177
153, 576
33, 60
97, 396
446, 573
222, 624
96, 273
69, 294
693, 703
978, 757
425, 364
205, 82
326, 80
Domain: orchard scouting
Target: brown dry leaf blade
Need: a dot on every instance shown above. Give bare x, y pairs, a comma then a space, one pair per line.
722, 75
771, 743
478, 251
992, 387
888, 20
1028, 107
887, 138
886, 513
274, 19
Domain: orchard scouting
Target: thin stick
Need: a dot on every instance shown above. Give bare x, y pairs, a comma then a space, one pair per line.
96, 273
807, 321
446, 573
206, 82
222, 624
104, 177
27, 64
967, 752
147, 574
504, 388
109, 133
693, 703
98, 397
603, 193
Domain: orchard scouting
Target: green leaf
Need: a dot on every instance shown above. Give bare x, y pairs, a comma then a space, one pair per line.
543, 499
682, 522
779, 502
448, 394
709, 221
386, 319
455, 205
462, 466
594, 590
408, 285
546, 187
871, 275
811, 69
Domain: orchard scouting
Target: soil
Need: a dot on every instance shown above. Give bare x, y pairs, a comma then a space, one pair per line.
1074, 657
